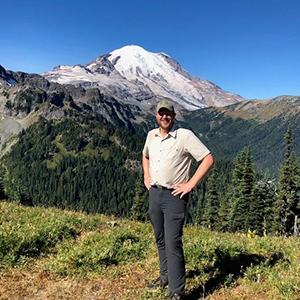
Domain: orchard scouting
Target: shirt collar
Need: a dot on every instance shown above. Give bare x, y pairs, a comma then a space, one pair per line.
172, 133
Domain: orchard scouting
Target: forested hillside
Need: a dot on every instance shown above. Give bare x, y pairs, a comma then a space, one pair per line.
257, 124
81, 149
81, 162
84, 163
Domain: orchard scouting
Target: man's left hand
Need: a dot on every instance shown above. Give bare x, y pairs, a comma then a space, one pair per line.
181, 189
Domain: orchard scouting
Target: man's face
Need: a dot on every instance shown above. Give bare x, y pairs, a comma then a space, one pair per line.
165, 119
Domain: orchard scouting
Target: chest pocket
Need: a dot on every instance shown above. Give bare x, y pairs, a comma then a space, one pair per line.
173, 153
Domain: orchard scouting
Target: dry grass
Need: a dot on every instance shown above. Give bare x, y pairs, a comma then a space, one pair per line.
268, 267
35, 283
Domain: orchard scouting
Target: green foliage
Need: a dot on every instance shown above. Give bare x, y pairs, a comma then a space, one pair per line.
242, 192
29, 233
265, 192
198, 197
288, 198
76, 163
140, 200
8, 104
26, 233
97, 251
25, 100
2, 172
84, 163
78, 245
217, 260
226, 136
211, 211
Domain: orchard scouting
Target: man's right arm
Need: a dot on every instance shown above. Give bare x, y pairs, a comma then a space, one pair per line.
146, 172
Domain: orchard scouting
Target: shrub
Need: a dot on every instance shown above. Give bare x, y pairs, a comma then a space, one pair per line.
97, 251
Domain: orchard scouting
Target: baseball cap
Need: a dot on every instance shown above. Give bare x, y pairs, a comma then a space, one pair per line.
165, 104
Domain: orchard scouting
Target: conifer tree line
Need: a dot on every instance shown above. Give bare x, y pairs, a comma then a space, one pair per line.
81, 163
85, 163
251, 202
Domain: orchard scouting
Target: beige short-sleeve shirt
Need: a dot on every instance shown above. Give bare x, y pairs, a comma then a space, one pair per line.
170, 157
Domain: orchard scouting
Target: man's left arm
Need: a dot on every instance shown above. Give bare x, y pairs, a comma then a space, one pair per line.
184, 188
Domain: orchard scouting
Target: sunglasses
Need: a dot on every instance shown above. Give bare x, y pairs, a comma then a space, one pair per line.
168, 114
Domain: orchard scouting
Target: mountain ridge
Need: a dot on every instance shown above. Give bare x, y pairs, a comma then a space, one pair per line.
261, 125
136, 76
24, 98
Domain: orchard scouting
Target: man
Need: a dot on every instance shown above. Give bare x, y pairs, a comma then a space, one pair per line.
167, 157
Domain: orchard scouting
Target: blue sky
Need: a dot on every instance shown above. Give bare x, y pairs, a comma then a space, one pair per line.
248, 47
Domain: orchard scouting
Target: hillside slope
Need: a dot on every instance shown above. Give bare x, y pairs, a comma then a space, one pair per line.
258, 124
24, 98
54, 254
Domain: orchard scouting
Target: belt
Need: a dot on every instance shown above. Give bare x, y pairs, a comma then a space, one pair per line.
160, 187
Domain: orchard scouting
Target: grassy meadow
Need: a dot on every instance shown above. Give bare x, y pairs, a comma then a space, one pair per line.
47, 253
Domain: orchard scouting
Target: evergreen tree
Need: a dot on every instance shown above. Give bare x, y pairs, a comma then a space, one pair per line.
287, 202
58, 163
211, 210
224, 212
2, 193
197, 200
196, 204
140, 200
266, 195
242, 192
213, 205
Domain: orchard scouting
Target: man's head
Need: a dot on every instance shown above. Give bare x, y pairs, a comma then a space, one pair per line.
165, 115
165, 104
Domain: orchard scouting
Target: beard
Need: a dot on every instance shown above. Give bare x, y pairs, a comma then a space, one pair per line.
165, 124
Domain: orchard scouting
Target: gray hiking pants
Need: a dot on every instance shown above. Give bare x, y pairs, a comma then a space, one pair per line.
167, 214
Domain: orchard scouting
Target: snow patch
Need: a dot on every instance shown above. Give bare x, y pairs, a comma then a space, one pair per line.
11, 82
135, 71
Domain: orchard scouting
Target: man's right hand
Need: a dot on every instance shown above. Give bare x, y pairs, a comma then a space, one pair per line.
147, 183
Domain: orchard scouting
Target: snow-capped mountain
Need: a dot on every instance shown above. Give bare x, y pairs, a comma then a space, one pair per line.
136, 76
